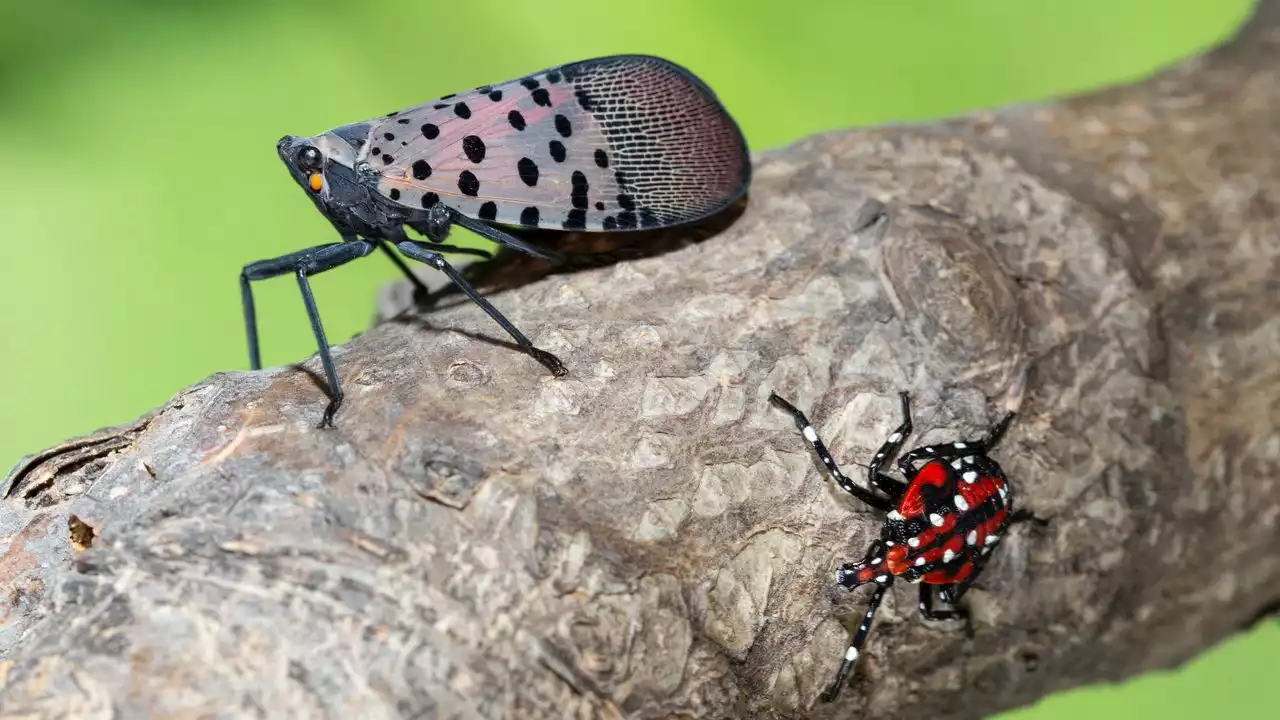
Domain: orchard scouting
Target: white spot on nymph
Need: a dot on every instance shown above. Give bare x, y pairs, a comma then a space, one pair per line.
956, 463
948, 556
935, 519
961, 503
809, 434
919, 561
863, 627
895, 437
972, 537
959, 446
1003, 492
986, 550
879, 455
882, 578
894, 515
876, 561
968, 459
913, 542
888, 543
928, 449
970, 477
992, 539
851, 654
922, 606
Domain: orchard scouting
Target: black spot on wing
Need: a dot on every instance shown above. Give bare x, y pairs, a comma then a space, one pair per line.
468, 183
563, 126
575, 220
474, 148
580, 187
528, 171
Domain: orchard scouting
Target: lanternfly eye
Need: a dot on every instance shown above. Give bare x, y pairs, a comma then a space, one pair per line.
310, 159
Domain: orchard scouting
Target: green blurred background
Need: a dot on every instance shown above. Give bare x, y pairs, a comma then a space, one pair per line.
139, 170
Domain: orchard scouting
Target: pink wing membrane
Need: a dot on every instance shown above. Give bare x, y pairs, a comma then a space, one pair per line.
611, 144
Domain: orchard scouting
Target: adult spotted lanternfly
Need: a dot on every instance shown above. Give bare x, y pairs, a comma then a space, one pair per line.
619, 143
941, 525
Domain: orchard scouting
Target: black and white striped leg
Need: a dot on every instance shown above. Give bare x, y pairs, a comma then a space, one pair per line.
841, 479
887, 485
963, 448
855, 644
927, 610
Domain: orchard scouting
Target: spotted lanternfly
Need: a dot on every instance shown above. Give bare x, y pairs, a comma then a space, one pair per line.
620, 143
941, 525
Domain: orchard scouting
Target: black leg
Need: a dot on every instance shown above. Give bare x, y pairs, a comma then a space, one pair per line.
491, 233
260, 271
887, 485
421, 294
997, 432
841, 479
420, 290
418, 251
303, 264
927, 610
855, 645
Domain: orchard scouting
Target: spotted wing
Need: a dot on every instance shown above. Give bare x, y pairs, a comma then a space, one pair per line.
616, 143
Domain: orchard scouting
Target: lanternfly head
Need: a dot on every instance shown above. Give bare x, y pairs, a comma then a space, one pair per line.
305, 161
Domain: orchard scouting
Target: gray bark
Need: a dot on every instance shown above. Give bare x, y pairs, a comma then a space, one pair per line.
647, 537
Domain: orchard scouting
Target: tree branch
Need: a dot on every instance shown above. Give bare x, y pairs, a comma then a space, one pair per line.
647, 537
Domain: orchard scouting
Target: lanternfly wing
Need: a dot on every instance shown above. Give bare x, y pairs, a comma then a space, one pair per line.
615, 143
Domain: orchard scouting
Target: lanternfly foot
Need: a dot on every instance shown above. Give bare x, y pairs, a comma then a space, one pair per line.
551, 362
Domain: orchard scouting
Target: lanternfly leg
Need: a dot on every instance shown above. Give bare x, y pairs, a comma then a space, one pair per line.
841, 479
855, 645
420, 291
887, 485
997, 432
927, 610
303, 263
956, 449
419, 252
421, 294
491, 233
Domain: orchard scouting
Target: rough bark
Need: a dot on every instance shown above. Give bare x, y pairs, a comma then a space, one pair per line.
647, 537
